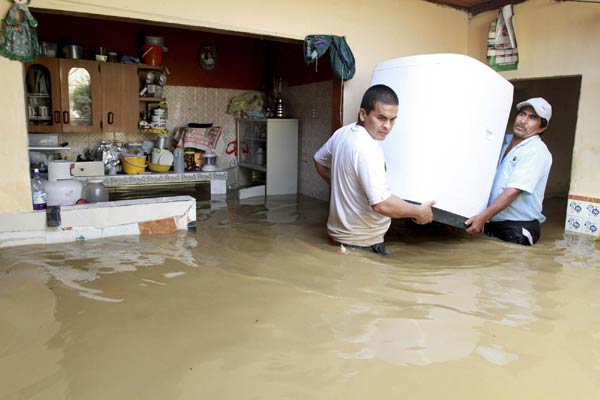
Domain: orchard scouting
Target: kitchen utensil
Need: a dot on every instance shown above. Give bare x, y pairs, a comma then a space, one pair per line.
72, 51
209, 161
63, 192
178, 161
166, 158
94, 191
161, 141
48, 49
133, 164
158, 168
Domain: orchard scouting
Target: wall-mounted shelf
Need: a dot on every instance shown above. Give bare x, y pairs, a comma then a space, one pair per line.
48, 148
153, 99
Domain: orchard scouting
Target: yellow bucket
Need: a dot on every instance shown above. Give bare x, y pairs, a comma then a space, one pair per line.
134, 165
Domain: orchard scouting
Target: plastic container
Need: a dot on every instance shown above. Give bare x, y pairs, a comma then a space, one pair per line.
133, 164
178, 161
38, 193
152, 55
158, 167
260, 156
64, 192
95, 191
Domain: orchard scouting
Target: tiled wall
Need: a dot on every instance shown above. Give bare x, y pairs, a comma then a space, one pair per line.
311, 104
583, 215
186, 104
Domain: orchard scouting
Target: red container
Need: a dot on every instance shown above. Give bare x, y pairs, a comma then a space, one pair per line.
152, 55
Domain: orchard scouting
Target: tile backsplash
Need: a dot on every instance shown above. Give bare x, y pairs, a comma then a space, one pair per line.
311, 104
186, 104
583, 215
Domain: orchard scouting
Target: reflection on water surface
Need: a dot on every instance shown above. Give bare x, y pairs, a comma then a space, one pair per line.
257, 304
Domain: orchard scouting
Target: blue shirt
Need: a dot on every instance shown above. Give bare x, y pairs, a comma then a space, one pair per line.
525, 167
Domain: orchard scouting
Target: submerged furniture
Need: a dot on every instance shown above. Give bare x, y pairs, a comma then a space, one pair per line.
445, 145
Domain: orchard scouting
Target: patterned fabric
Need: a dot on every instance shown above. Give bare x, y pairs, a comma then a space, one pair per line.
341, 57
18, 37
198, 138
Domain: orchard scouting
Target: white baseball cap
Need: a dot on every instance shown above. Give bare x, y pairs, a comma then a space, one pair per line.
542, 108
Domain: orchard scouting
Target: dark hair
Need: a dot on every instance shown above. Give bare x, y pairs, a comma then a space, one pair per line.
378, 93
543, 122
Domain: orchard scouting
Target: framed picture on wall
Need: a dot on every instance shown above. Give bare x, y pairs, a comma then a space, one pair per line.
208, 58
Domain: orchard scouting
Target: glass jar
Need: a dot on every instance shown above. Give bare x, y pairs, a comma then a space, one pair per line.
95, 191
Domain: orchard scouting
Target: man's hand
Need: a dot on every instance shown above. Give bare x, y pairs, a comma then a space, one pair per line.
424, 213
475, 224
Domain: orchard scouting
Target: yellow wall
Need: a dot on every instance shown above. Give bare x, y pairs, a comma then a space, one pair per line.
559, 39
376, 31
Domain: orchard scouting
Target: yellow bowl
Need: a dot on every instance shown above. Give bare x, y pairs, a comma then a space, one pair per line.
158, 167
134, 165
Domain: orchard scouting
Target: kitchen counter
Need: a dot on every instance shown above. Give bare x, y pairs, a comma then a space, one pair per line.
152, 184
154, 177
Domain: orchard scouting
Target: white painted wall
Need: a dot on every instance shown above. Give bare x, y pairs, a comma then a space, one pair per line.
555, 38
375, 31
559, 39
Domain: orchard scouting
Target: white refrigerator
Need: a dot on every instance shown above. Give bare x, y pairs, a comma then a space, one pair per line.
452, 117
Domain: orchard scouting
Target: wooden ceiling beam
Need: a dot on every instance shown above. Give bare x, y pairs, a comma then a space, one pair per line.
491, 5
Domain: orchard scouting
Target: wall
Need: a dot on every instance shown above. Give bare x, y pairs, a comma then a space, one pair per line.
375, 32
559, 39
311, 104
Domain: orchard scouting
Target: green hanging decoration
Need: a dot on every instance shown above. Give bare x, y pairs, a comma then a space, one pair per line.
18, 37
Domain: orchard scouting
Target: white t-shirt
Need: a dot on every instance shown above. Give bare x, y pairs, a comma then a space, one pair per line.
358, 181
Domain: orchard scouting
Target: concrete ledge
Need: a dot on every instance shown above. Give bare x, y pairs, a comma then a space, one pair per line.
98, 220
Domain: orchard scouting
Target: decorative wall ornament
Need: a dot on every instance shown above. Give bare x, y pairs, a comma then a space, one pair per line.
208, 58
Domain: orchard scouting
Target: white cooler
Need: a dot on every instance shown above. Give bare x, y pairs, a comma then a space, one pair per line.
445, 145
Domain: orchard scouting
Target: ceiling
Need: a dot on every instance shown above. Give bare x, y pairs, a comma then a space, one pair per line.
476, 6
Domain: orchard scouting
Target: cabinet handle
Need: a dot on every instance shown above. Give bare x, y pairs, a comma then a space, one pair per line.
66, 118
57, 117
111, 118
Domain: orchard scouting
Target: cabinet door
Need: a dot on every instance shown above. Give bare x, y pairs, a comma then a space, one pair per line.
282, 156
80, 95
42, 83
119, 97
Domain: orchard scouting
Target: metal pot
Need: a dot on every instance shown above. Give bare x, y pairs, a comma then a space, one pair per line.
48, 49
72, 51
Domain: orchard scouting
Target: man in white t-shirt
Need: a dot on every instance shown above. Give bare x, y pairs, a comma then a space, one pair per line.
352, 163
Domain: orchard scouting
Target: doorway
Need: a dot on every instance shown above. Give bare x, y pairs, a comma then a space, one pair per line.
563, 94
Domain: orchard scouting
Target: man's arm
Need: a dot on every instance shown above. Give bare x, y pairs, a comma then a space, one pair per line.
395, 207
475, 224
324, 172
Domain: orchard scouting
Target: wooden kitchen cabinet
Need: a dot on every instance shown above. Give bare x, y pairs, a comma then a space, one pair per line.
65, 95
267, 156
119, 97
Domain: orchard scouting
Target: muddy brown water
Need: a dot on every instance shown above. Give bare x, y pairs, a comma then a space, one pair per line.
257, 305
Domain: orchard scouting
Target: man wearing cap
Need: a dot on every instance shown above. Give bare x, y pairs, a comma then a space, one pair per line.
514, 211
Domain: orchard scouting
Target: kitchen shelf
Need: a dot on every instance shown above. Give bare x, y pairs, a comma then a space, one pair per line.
269, 165
48, 148
153, 99
253, 166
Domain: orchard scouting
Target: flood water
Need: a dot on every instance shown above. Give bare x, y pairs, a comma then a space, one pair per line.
257, 305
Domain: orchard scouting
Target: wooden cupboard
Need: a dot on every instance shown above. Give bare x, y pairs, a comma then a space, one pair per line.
65, 95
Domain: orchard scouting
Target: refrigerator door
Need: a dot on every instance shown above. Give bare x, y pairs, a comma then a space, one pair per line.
452, 116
